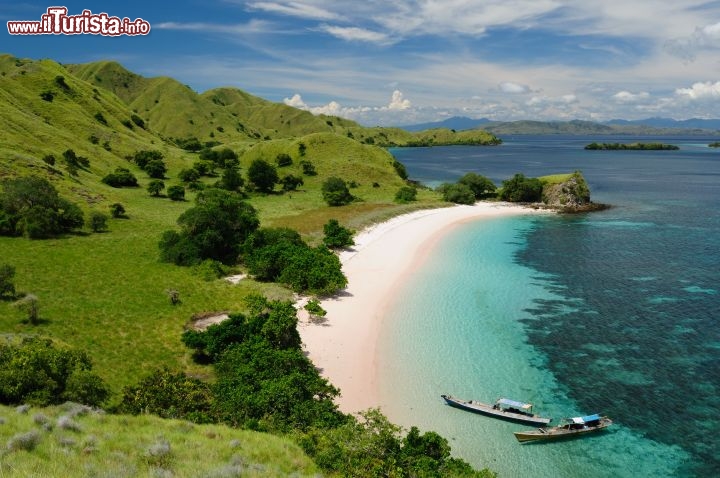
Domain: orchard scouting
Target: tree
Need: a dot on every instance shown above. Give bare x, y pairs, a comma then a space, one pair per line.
457, 193
231, 179
143, 157
308, 168
481, 186
214, 229
98, 221
262, 175
521, 189
337, 236
34, 371
156, 169
291, 182
155, 187
169, 394
176, 193
31, 206
283, 159
122, 177
406, 194
335, 192
117, 210
31, 306
189, 175
7, 287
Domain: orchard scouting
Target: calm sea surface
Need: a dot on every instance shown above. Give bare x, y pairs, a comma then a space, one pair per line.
615, 312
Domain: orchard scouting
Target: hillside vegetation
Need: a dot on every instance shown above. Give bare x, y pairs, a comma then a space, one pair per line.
74, 440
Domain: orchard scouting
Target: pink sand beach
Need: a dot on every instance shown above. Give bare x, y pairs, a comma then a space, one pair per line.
343, 347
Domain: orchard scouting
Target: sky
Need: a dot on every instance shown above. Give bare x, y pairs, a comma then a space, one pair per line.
403, 62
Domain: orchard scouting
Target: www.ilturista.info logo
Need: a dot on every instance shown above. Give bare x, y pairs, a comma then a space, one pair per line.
57, 22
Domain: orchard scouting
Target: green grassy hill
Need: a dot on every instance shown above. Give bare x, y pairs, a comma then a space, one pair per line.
72, 440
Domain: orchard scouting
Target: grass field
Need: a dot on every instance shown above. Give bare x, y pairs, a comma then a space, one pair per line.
72, 441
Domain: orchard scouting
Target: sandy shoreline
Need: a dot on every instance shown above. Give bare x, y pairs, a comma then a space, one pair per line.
344, 346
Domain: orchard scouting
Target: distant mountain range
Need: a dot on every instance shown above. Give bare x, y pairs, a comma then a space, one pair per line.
649, 126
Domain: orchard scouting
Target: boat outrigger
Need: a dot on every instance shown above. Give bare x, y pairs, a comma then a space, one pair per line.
503, 408
568, 427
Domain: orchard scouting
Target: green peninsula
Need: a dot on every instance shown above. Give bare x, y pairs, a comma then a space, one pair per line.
632, 146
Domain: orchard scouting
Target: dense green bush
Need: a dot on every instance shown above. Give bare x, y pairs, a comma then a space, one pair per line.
335, 192
457, 193
262, 175
189, 175
143, 157
31, 206
521, 189
308, 168
406, 194
156, 168
231, 179
291, 182
214, 229
482, 187
280, 255
155, 187
169, 394
98, 221
122, 177
336, 235
34, 371
283, 160
7, 286
117, 210
176, 193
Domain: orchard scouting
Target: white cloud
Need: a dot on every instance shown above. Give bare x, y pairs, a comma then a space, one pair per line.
253, 26
355, 34
628, 97
513, 88
296, 102
397, 102
296, 9
700, 91
552, 100
707, 37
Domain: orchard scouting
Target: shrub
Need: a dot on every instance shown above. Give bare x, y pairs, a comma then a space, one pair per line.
283, 160
189, 175
169, 394
406, 194
98, 221
36, 372
231, 179
156, 169
155, 187
291, 182
31, 306
101, 119
337, 236
138, 121
214, 229
7, 287
314, 308
47, 95
143, 157
521, 189
457, 193
399, 169
117, 210
262, 175
481, 186
122, 177
27, 441
49, 159
176, 193
335, 192
308, 168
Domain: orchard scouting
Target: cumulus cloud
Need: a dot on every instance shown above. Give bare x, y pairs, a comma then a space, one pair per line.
700, 91
397, 102
333, 108
513, 88
702, 38
628, 97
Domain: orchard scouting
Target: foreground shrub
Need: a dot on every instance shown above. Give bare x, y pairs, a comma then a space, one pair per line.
31, 206
335, 192
482, 187
122, 177
457, 193
337, 236
34, 371
27, 441
406, 194
521, 189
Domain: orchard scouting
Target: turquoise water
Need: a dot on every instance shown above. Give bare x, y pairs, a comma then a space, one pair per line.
613, 312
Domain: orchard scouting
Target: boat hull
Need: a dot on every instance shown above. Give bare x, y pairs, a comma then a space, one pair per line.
488, 410
559, 433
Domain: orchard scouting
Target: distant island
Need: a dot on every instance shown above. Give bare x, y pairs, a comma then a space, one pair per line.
632, 146
716, 144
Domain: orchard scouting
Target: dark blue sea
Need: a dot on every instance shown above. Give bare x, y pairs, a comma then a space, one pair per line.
615, 312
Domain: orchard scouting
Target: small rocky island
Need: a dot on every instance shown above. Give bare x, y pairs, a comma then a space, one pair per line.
632, 146
568, 193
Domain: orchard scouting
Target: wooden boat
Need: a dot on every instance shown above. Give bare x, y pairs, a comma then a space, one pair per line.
503, 408
568, 428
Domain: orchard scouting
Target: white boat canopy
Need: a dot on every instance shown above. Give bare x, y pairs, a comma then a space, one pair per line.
586, 419
513, 403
